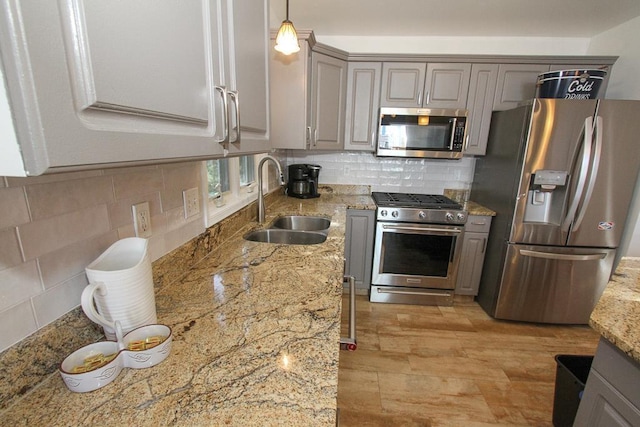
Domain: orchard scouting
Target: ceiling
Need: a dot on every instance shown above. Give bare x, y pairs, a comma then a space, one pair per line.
457, 18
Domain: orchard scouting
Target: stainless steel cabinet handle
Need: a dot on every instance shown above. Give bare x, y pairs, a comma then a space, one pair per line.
562, 257
225, 114
419, 98
233, 96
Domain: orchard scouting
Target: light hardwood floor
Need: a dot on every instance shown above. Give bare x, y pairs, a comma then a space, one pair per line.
451, 366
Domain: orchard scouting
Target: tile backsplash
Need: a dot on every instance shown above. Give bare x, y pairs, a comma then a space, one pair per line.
53, 226
428, 176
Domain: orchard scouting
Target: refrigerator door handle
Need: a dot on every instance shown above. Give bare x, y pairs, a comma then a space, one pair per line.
593, 172
562, 257
585, 149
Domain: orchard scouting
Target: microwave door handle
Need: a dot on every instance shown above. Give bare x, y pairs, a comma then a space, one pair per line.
453, 133
585, 149
593, 173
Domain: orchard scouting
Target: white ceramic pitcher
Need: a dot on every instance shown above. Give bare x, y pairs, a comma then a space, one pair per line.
121, 287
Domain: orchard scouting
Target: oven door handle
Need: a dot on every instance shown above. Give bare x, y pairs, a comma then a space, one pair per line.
448, 231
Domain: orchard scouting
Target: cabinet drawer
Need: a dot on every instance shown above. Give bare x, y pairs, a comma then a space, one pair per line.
478, 223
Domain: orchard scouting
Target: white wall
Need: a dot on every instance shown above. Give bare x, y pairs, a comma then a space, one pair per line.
624, 84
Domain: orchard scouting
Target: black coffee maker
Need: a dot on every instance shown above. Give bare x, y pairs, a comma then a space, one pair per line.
303, 181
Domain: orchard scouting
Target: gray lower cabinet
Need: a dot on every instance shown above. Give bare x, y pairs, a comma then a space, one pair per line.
474, 244
358, 247
611, 396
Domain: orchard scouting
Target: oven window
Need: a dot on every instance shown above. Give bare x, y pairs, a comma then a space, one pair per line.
416, 254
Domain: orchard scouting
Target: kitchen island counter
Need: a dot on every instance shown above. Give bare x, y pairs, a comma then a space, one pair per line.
617, 314
256, 338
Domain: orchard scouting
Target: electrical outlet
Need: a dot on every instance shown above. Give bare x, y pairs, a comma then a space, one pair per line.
191, 202
142, 219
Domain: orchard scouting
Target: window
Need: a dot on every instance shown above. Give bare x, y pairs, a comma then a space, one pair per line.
231, 183
218, 177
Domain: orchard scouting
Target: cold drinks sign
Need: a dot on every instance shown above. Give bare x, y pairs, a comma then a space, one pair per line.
570, 84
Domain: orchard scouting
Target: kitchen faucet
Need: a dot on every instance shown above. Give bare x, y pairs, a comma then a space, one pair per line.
260, 191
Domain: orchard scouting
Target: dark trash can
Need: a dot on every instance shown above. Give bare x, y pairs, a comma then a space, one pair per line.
571, 376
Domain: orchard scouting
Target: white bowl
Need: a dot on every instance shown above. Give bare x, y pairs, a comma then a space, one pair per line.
138, 349
94, 378
146, 356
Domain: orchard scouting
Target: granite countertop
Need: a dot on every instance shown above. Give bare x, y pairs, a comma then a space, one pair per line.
617, 314
256, 339
476, 209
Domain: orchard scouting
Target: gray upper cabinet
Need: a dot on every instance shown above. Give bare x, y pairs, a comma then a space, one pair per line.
328, 95
363, 102
308, 96
290, 82
433, 85
516, 82
484, 78
446, 85
402, 84
113, 83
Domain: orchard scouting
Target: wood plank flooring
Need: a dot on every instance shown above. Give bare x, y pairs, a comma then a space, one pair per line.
451, 366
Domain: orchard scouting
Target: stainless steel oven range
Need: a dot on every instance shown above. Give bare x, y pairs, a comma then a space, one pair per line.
417, 248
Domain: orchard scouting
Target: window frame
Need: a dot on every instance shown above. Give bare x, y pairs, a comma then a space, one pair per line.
238, 195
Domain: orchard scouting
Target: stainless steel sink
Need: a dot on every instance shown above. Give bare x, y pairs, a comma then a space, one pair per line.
304, 223
289, 237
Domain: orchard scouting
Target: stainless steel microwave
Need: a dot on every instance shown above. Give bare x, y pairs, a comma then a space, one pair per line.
422, 132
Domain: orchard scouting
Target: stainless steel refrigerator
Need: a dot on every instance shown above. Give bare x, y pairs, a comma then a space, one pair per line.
561, 175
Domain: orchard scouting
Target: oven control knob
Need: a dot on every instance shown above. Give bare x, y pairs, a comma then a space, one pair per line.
395, 214
422, 215
383, 212
449, 216
460, 217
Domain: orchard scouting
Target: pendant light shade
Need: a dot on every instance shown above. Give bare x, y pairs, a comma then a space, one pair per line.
287, 38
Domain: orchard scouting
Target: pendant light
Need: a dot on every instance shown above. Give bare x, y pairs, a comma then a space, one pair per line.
287, 38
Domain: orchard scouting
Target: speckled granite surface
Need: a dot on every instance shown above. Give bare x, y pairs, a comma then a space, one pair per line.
256, 336
617, 315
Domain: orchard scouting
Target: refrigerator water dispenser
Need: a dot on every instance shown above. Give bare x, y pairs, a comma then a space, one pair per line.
546, 196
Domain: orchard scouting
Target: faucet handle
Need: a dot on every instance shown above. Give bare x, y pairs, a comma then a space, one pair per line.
282, 181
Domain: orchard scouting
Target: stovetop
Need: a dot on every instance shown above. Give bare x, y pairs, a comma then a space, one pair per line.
408, 200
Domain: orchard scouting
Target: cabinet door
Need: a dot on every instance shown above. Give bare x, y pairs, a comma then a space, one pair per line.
516, 82
402, 84
446, 85
363, 101
112, 82
484, 78
610, 396
328, 93
471, 260
358, 247
289, 101
249, 62
474, 244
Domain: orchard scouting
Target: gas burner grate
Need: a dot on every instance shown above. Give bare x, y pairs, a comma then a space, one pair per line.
408, 200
